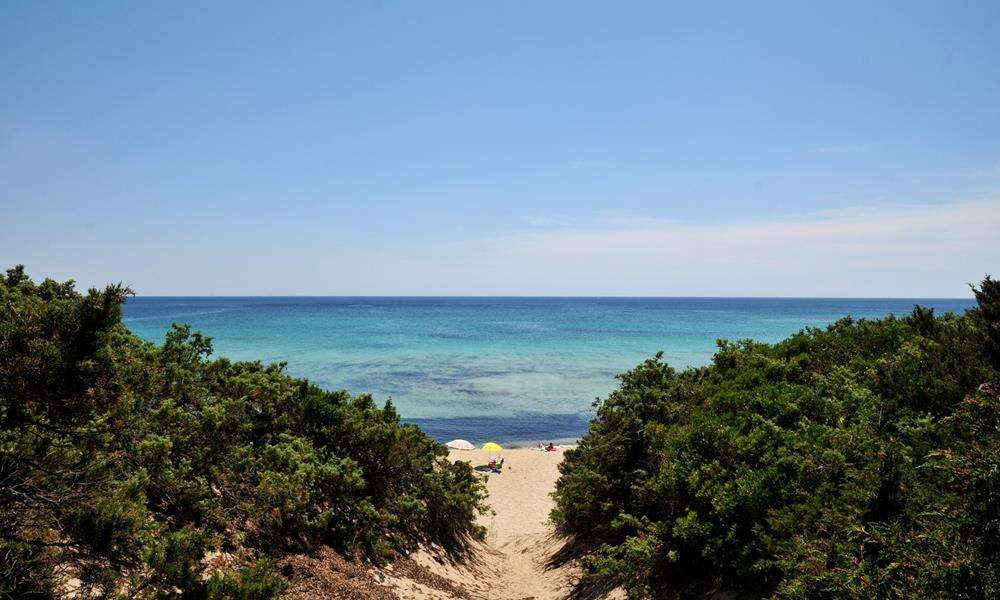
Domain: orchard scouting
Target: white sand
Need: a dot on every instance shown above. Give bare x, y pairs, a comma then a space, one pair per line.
514, 562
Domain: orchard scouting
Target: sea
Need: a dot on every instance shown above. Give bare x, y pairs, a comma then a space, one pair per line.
512, 370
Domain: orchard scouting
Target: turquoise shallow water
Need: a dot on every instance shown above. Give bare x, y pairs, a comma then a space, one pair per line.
511, 369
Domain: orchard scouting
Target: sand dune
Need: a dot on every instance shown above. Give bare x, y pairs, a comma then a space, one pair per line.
520, 558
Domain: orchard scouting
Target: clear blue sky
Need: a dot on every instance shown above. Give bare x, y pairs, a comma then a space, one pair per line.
556, 148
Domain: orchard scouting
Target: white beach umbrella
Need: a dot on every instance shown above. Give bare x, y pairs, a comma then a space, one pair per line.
460, 445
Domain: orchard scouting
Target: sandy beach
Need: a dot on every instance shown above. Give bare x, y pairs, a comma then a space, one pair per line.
519, 559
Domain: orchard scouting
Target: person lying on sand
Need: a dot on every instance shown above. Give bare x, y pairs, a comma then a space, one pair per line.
494, 466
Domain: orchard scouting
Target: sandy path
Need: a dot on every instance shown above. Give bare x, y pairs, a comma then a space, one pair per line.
519, 535
515, 561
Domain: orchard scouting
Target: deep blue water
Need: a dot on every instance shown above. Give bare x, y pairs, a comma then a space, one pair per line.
510, 369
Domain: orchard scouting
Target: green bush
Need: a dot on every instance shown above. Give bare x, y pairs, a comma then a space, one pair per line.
857, 461
256, 582
123, 463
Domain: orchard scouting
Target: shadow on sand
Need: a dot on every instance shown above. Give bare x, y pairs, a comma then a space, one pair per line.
587, 588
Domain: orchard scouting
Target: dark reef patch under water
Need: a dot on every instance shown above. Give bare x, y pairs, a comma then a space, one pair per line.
516, 430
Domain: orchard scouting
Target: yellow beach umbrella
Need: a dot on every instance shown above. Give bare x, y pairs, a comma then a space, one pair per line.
492, 447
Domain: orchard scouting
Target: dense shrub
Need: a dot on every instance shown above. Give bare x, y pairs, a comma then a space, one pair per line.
857, 461
123, 464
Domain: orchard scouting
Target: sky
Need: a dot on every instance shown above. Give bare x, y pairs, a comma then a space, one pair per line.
503, 148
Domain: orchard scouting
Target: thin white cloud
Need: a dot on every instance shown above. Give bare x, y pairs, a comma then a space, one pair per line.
898, 251
901, 251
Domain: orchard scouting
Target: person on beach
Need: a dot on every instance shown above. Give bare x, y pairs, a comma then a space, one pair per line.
550, 448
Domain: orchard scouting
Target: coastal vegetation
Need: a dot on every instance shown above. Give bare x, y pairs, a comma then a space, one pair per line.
860, 460
857, 461
141, 470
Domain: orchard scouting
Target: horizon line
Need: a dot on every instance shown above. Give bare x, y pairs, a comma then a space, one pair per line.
550, 297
